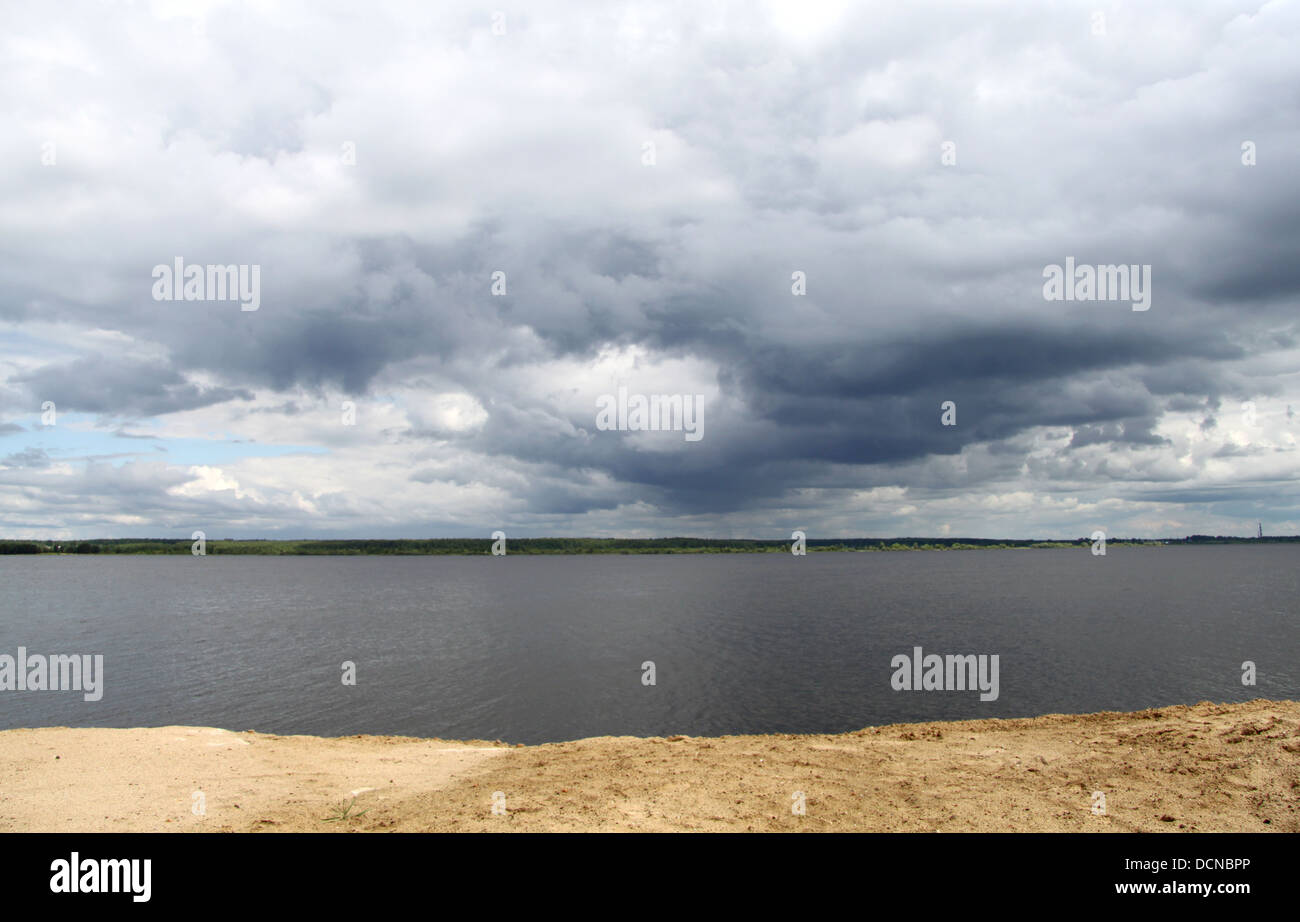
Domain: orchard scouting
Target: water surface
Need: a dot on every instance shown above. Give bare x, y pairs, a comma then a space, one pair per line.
538, 649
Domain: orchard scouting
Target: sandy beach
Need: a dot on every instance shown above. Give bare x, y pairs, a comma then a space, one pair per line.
1207, 767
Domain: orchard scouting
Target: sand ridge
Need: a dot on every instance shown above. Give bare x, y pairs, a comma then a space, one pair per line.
1206, 767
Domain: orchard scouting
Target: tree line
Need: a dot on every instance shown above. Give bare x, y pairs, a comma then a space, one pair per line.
474, 546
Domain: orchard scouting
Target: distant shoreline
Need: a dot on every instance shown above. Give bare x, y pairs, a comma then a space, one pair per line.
580, 546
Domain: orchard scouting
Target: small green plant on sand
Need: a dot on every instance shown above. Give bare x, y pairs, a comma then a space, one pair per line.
345, 812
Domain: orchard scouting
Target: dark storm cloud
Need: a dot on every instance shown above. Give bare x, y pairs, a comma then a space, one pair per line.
113, 387
874, 403
1128, 431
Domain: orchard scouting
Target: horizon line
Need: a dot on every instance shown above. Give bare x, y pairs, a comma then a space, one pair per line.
781, 540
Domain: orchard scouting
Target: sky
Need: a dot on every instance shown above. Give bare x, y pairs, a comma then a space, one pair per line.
824, 226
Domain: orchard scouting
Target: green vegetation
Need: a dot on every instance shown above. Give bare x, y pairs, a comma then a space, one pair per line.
19, 547
344, 812
578, 545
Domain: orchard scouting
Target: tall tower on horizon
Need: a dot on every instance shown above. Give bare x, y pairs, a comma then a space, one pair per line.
1261, 530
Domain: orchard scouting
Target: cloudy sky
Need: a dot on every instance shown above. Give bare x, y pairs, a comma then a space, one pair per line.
649, 177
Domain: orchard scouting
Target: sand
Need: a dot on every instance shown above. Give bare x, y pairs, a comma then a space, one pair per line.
1207, 767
